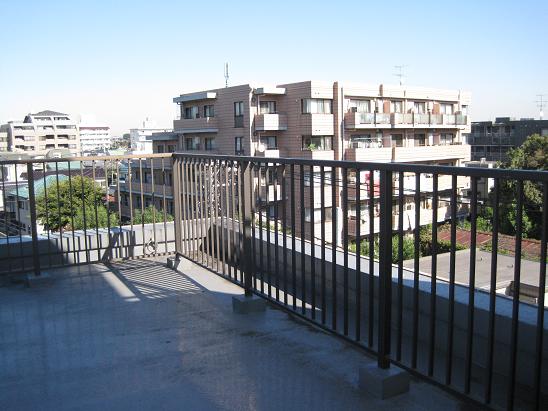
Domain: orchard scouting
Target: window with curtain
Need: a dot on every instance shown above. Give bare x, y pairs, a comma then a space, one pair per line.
191, 112
238, 108
419, 107
365, 141
316, 106
396, 106
360, 106
209, 111
267, 107
446, 139
270, 142
446, 108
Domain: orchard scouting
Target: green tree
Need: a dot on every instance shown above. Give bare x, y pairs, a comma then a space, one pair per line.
149, 215
531, 155
67, 203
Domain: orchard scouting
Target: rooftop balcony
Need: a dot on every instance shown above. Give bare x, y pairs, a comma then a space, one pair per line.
106, 325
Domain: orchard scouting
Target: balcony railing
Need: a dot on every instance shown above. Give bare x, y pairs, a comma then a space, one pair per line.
304, 250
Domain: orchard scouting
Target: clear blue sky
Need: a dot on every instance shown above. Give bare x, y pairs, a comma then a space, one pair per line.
124, 60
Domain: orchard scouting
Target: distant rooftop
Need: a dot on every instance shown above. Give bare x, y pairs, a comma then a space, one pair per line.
49, 113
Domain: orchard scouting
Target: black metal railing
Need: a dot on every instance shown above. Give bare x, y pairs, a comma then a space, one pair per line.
59, 212
280, 228
356, 248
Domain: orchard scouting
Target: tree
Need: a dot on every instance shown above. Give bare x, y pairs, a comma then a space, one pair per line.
68, 202
149, 215
531, 155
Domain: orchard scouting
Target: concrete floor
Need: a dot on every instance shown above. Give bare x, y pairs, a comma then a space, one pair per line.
136, 335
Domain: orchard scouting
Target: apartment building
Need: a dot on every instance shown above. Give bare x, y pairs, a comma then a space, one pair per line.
43, 131
328, 121
139, 137
94, 137
3, 137
491, 140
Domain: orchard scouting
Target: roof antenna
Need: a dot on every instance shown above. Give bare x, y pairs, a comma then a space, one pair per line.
541, 103
226, 75
399, 73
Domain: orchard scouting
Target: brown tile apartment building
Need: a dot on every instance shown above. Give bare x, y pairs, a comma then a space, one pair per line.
334, 121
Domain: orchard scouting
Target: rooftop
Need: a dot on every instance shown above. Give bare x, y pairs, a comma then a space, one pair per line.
49, 113
136, 335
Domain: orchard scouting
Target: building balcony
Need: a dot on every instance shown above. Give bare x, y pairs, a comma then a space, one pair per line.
201, 124
316, 124
318, 154
432, 153
270, 122
356, 121
381, 154
268, 153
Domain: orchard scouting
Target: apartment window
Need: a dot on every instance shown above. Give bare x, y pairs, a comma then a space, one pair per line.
71, 146
171, 148
316, 106
420, 139
446, 139
360, 106
238, 114
192, 143
464, 110
318, 214
160, 148
419, 107
446, 108
238, 145
209, 111
317, 142
397, 140
365, 141
28, 138
396, 106
191, 112
267, 107
210, 143
270, 142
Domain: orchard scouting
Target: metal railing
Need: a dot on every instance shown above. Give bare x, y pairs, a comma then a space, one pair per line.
60, 212
261, 223
446, 330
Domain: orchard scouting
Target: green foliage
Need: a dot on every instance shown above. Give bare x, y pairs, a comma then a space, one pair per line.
67, 204
531, 155
150, 215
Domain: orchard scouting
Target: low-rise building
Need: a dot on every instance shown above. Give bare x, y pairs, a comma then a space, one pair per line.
41, 132
140, 144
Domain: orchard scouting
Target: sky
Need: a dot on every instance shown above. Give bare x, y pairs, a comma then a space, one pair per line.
123, 61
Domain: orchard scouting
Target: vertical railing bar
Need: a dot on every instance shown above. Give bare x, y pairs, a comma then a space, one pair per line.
416, 272
229, 235
312, 244
276, 233
516, 296
120, 233
224, 239
72, 211
5, 202
96, 211
345, 248
194, 203
471, 286
540, 302
180, 164
18, 212
164, 206
371, 255
334, 248
253, 191
142, 205
217, 196
400, 265
303, 234
293, 241
357, 236
492, 293
284, 229
268, 253
322, 244
33, 220
46, 211
433, 277
241, 220
207, 203
261, 227
246, 183
131, 232
106, 169
177, 209
84, 211
451, 303
153, 201
201, 189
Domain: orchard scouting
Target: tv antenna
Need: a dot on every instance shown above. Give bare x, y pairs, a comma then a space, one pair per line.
541, 103
226, 75
399, 73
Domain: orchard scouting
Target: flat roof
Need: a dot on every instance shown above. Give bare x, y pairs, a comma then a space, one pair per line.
201, 95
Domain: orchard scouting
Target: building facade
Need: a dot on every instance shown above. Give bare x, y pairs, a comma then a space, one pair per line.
94, 137
327, 121
41, 132
491, 140
139, 141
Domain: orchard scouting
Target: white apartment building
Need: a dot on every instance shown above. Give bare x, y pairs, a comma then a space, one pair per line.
94, 137
44, 131
140, 144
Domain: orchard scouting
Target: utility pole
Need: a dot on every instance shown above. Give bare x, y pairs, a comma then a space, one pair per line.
226, 75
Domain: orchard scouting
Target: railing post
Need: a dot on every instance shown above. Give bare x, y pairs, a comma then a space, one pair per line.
246, 184
33, 222
176, 175
385, 268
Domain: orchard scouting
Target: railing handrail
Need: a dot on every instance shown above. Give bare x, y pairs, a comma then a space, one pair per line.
534, 175
88, 158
